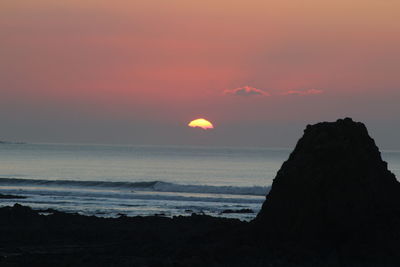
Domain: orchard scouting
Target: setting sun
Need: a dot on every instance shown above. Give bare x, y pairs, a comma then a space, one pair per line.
201, 123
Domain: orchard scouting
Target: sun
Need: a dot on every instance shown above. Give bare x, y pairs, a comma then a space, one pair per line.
201, 123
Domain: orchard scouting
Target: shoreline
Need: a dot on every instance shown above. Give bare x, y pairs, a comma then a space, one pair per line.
71, 239
49, 237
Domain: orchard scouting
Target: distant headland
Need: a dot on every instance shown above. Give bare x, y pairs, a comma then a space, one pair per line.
3, 142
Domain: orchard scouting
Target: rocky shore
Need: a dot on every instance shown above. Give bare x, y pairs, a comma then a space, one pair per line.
333, 203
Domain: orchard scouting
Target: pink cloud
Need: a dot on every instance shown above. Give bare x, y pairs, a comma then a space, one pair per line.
246, 91
306, 92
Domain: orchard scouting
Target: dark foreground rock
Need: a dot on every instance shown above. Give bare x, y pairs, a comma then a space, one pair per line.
229, 211
334, 192
60, 239
333, 203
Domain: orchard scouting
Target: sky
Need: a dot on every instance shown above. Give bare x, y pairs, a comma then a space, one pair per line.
137, 72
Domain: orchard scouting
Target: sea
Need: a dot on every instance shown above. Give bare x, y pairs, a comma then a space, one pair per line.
112, 181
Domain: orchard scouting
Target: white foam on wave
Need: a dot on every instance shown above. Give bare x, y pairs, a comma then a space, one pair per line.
235, 190
157, 186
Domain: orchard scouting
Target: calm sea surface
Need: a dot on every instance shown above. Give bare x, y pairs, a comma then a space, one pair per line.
143, 180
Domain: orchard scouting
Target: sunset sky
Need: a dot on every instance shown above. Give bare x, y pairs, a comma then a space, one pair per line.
137, 72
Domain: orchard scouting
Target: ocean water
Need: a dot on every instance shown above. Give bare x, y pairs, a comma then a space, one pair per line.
109, 181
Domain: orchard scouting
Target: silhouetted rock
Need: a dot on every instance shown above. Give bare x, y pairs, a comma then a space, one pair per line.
28, 238
334, 191
227, 211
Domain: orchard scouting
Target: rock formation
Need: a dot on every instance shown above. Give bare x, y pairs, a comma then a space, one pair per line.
334, 190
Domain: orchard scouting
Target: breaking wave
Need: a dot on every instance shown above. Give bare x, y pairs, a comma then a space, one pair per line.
157, 186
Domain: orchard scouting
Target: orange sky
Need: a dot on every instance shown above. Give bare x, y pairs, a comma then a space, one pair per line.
158, 64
